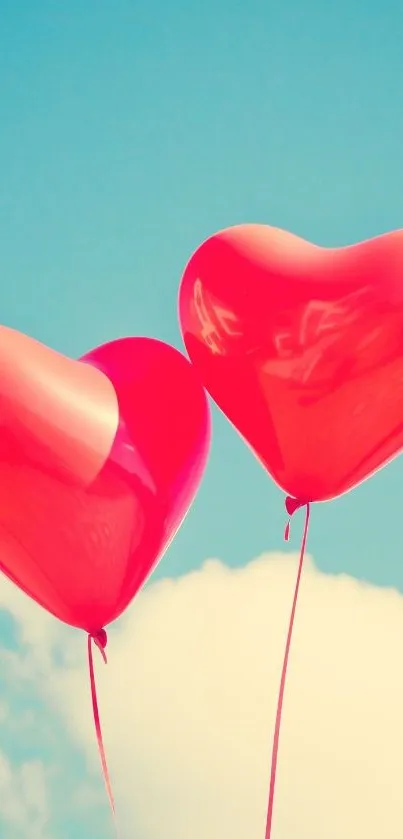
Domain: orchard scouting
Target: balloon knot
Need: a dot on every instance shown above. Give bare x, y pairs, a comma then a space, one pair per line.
100, 638
292, 505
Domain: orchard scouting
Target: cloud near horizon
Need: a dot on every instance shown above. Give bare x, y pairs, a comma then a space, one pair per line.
188, 703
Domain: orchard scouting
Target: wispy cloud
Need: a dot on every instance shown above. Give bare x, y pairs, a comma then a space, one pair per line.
24, 802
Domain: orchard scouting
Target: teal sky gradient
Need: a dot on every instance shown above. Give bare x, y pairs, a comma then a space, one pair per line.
130, 132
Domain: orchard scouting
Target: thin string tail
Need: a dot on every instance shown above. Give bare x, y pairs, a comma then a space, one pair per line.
291, 506
100, 640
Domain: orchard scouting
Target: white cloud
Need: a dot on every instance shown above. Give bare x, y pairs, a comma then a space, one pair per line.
188, 703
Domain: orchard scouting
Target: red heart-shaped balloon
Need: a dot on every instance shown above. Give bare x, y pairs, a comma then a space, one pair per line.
100, 460
302, 349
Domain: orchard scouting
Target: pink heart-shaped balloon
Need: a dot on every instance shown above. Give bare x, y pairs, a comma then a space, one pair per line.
302, 348
100, 460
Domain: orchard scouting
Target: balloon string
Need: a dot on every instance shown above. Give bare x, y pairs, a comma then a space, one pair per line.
100, 639
291, 505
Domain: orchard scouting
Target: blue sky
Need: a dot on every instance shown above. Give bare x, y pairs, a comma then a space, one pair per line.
129, 133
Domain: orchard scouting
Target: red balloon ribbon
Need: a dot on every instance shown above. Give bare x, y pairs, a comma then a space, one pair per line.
100, 639
291, 506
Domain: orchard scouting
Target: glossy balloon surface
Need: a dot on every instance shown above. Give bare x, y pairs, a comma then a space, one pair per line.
100, 460
302, 348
